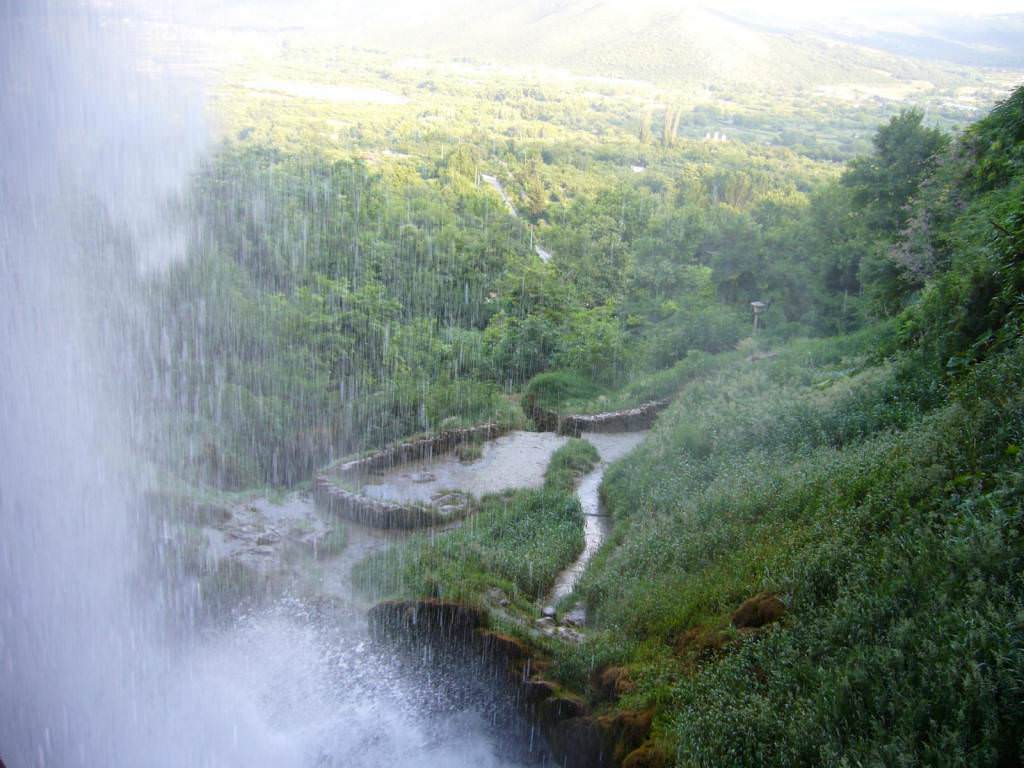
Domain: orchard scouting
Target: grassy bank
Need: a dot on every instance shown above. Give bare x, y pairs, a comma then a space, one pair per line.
516, 542
880, 505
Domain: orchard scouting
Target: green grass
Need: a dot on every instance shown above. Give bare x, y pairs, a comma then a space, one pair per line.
516, 541
568, 464
882, 503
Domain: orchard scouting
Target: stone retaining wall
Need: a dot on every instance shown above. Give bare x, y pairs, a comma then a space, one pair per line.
628, 420
415, 450
361, 509
354, 506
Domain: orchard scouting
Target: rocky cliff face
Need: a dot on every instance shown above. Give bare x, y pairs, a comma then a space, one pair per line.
578, 731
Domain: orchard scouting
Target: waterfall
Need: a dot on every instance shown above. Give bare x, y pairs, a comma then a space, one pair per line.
99, 663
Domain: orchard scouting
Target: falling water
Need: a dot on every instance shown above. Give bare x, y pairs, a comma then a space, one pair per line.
91, 672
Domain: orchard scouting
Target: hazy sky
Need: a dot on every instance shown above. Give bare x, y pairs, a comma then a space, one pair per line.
792, 9
817, 8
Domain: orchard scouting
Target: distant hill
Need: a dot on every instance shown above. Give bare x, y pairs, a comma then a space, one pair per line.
661, 41
979, 41
645, 40
656, 40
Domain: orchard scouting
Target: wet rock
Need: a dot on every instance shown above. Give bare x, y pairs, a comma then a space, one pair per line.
626, 731
180, 506
414, 450
549, 611
503, 647
628, 420
647, 755
612, 683
498, 597
545, 623
544, 421
577, 738
449, 498
561, 707
424, 477
757, 611
361, 509
535, 691
425, 620
569, 635
577, 617
262, 536
582, 741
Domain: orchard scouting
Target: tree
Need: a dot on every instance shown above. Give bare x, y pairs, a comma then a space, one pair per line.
905, 152
644, 134
536, 196
671, 128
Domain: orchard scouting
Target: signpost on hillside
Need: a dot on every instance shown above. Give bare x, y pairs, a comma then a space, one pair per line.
759, 307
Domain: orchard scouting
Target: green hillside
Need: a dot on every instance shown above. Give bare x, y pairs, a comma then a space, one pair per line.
817, 554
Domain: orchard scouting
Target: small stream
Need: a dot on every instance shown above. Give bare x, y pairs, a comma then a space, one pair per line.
515, 460
610, 447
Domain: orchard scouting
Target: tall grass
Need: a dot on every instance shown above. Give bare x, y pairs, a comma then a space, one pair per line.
883, 507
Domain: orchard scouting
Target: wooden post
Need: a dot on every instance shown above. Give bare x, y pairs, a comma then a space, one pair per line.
758, 307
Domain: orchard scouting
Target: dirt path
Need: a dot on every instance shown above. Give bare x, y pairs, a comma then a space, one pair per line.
496, 185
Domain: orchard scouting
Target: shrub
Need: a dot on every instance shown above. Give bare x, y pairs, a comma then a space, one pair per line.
548, 391
711, 329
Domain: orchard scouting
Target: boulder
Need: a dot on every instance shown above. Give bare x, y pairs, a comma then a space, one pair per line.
612, 683
757, 611
647, 755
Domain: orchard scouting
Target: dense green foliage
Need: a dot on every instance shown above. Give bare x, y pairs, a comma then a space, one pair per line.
967, 241
345, 307
859, 459
551, 390
871, 482
342, 309
879, 498
569, 463
354, 278
888, 523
